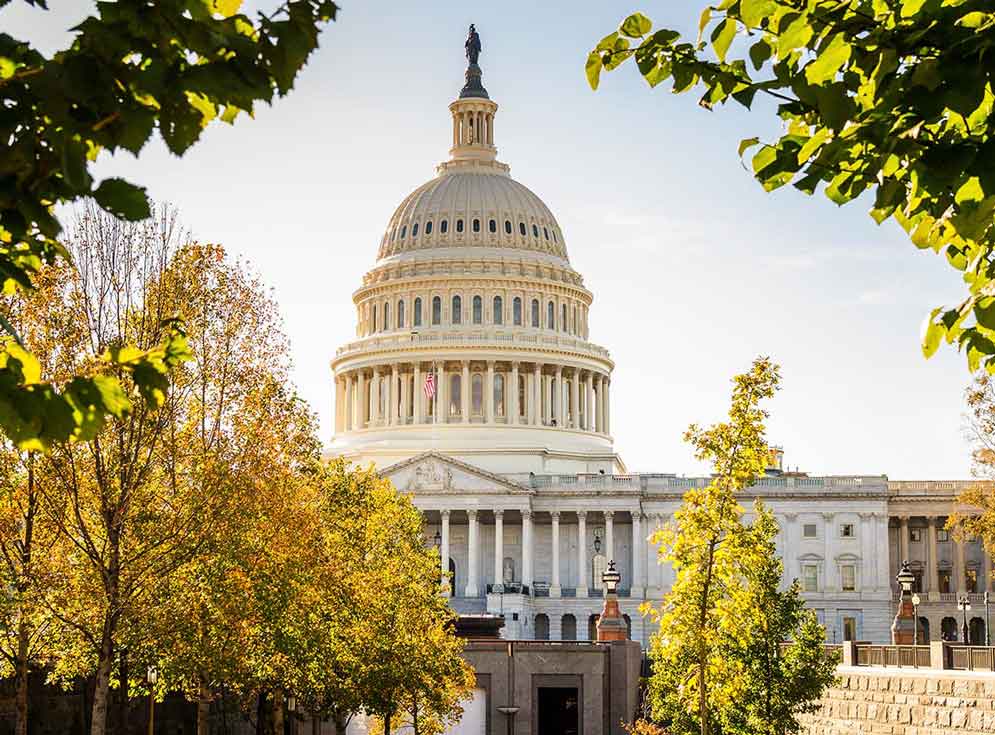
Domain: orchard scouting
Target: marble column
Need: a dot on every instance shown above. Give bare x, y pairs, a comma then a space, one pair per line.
558, 399
986, 560
547, 408
514, 393
885, 572
465, 392
959, 578
609, 540
444, 554
472, 589
554, 587
829, 528
339, 388
791, 568
417, 392
903, 539
348, 419
932, 568
498, 551
599, 420
638, 551
393, 399
575, 400
590, 410
527, 543
608, 406
489, 393
537, 395
364, 400
581, 590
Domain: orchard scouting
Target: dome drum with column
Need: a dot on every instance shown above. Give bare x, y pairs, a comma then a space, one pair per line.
473, 285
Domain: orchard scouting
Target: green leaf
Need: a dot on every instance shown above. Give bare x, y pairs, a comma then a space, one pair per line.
593, 69
754, 11
722, 37
636, 25
746, 144
911, 7
122, 199
813, 144
797, 35
832, 56
759, 53
703, 21
932, 333
7, 67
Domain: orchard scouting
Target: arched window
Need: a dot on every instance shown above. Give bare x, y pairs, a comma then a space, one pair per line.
542, 627
516, 311
499, 395
521, 227
428, 227
568, 628
535, 231
444, 226
455, 394
476, 225
393, 234
478, 310
521, 395
563, 318
535, 313
507, 227
550, 316
414, 230
492, 226
545, 232
457, 310
417, 315
400, 315
386, 317
554, 236
459, 225
477, 394
436, 311
498, 310
576, 330
374, 318
404, 229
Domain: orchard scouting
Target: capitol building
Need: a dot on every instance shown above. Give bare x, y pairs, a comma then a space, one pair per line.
474, 384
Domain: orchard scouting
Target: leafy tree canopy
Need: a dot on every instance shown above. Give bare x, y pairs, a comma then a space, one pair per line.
889, 97
134, 68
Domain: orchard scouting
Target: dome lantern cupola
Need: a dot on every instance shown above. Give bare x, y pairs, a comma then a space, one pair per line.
473, 112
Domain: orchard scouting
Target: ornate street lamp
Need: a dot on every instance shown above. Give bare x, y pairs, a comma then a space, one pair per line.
964, 606
903, 628
611, 578
915, 619
597, 543
152, 675
438, 540
611, 625
988, 627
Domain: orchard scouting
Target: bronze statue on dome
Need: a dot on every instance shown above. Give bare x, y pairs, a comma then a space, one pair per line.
472, 45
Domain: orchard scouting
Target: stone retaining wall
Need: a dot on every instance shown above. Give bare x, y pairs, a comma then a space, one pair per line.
906, 702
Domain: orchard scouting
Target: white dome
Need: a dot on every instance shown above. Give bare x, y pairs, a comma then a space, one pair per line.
473, 207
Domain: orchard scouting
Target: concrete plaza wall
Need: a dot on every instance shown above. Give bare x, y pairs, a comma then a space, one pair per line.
893, 701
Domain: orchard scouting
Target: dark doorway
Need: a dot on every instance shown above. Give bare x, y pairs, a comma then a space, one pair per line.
558, 711
453, 586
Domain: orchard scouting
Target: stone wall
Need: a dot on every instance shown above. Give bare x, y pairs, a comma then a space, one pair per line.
906, 702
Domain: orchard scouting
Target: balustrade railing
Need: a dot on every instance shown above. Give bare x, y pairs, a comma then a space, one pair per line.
972, 658
896, 656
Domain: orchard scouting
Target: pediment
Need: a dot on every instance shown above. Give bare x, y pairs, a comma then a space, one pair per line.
431, 473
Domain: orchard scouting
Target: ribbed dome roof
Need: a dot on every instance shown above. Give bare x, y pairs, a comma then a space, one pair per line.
476, 207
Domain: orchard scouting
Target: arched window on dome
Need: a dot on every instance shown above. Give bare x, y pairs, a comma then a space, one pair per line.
521, 228
400, 314
498, 310
436, 311
507, 227
476, 225
459, 225
535, 313
374, 320
386, 317
457, 310
444, 226
550, 316
417, 314
428, 227
576, 326
404, 229
516, 311
545, 231
393, 234
478, 310
535, 231
563, 318
492, 226
414, 230
455, 394
477, 394
499, 395
554, 236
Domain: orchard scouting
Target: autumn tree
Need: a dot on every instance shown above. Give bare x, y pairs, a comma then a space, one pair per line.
979, 522
133, 70
710, 548
891, 99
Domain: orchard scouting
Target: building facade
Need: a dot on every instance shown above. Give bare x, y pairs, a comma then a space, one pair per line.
474, 384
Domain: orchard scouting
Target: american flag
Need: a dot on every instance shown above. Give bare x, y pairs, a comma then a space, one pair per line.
430, 386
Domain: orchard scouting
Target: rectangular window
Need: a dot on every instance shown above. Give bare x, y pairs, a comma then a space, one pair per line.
846, 530
915, 535
971, 579
848, 577
810, 578
809, 530
849, 628
944, 580
942, 534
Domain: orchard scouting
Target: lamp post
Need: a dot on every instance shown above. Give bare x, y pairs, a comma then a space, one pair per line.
597, 543
964, 606
903, 628
152, 675
611, 625
988, 630
915, 619
438, 540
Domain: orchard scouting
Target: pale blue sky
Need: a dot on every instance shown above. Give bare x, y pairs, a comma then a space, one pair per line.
694, 268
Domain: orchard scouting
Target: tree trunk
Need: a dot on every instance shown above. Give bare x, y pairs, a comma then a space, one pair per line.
122, 694
22, 679
98, 721
339, 720
204, 710
261, 713
278, 727
386, 723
